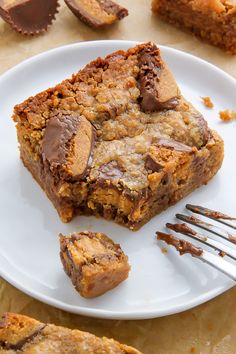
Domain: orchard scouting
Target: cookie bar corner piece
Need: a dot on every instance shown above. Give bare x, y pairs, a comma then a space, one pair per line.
23, 334
214, 21
94, 262
16, 331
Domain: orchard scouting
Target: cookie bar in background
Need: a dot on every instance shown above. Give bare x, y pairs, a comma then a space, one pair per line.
212, 20
22, 334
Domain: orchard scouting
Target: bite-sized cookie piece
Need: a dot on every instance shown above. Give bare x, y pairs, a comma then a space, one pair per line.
97, 13
94, 262
29, 17
211, 20
117, 139
22, 334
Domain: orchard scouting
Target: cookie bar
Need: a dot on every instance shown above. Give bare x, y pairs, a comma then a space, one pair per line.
97, 13
117, 139
94, 262
22, 334
211, 20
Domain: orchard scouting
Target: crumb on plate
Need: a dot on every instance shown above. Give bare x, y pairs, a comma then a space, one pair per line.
222, 254
227, 115
163, 249
207, 102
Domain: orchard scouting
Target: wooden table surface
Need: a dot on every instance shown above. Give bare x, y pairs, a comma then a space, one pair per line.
209, 328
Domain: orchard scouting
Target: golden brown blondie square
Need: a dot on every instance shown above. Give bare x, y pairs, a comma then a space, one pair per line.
117, 139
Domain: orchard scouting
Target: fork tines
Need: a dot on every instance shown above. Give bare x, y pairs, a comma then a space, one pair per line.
208, 227
212, 214
208, 241
224, 249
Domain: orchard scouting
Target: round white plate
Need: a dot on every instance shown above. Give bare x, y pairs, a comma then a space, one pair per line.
159, 284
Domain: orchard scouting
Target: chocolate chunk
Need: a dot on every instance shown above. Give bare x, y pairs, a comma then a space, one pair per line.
203, 127
97, 13
157, 158
29, 16
181, 245
173, 145
152, 165
158, 89
67, 146
110, 171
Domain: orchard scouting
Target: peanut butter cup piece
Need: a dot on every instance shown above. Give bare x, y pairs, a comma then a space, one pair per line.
163, 153
67, 146
97, 13
158, 89
29, 17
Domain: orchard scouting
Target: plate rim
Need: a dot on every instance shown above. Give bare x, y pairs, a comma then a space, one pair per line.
115, 315
102, 313
94, 42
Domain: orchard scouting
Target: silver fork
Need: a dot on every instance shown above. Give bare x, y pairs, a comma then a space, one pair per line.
216, 261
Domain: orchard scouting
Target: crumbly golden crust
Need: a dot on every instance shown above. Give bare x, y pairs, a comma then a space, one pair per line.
23, 334
212, 20
94, 262
133, 103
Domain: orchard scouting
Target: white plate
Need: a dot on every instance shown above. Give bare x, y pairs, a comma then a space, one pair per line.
159, 284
